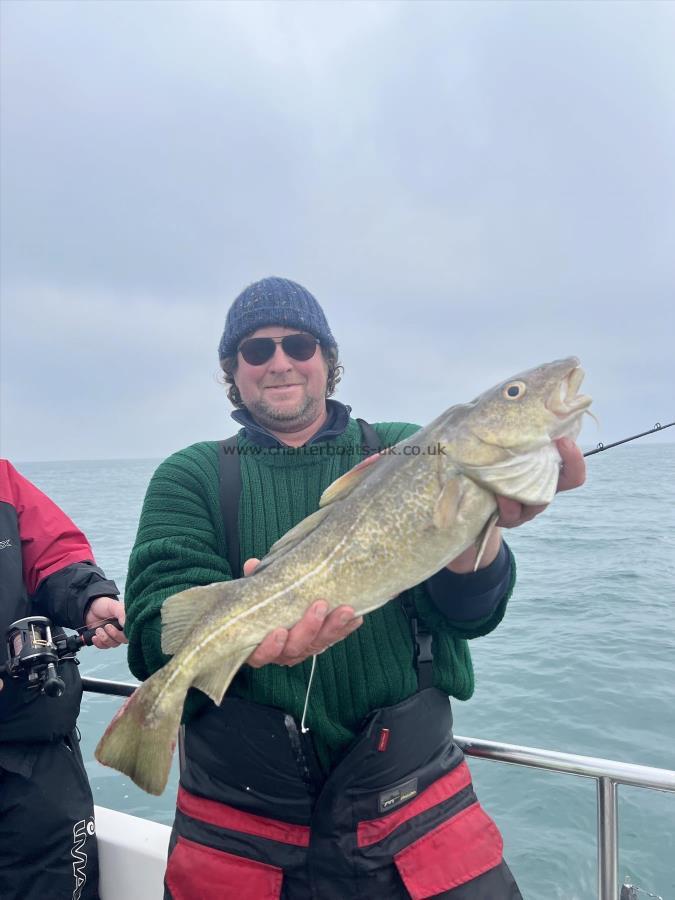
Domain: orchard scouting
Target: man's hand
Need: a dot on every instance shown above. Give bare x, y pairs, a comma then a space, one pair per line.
106, 608
512, 513
572, 475
315, 632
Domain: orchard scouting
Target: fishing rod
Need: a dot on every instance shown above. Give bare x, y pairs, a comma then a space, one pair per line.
601, 446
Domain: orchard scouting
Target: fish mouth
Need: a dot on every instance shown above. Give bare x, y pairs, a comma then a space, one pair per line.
565, 400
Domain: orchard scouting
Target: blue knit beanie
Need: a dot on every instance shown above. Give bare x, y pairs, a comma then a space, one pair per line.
273, 301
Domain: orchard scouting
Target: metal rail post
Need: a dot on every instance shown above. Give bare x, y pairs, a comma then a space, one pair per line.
608, 840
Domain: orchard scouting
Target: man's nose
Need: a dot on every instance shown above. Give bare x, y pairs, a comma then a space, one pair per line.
280, 362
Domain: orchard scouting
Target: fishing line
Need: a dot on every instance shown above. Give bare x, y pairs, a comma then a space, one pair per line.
600, 447
309, 686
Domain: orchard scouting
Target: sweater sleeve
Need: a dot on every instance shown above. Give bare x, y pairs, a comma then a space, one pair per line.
486, 592
180, 544
473, 596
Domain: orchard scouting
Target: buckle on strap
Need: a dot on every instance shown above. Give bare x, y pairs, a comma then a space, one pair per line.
423, 654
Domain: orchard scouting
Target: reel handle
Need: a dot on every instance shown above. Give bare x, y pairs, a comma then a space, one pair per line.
53, 685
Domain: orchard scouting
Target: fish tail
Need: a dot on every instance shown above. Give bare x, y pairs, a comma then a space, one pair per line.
140, 739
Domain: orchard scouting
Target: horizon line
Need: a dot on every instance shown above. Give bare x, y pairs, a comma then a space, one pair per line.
17, 461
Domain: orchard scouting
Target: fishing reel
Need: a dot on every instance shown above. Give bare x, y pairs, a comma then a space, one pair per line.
33, 652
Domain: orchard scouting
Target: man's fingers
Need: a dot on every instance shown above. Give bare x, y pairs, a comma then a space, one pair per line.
269, 649
116, 635
102, 641
315, 632
509, 512
251, 565
512, 513
107, 636
336, 627
304, 633
573, 471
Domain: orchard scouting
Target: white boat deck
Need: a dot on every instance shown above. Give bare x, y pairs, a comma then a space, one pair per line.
132, 856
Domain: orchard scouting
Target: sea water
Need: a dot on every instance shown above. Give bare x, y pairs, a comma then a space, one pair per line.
584, 662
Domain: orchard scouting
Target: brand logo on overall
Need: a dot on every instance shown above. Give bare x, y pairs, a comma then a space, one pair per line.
394, 797
6, 543
81, 830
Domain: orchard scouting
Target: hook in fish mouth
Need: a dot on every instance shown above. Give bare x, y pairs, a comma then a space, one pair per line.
564, 400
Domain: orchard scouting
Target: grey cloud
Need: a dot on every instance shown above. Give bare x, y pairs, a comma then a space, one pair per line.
468, 188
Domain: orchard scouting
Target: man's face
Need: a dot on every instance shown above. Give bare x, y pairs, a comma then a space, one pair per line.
283, 394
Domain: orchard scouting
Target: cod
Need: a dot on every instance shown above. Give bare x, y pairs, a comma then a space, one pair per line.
388, 524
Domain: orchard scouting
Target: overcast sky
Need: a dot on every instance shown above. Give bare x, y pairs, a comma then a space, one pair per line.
469, 189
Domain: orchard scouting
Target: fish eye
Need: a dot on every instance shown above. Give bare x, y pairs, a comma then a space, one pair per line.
514, 390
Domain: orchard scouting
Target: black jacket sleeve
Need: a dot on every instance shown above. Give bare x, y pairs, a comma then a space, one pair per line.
474, 595
65, 595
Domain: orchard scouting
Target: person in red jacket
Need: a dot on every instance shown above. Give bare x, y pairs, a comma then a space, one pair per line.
47, 830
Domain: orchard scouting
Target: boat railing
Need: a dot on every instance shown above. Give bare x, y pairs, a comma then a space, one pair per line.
608, 775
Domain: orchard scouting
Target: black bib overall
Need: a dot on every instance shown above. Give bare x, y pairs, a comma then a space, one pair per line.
397, 818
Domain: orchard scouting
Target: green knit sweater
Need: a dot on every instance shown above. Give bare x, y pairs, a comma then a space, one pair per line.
181, 544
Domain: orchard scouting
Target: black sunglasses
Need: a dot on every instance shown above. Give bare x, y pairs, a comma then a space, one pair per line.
257, 351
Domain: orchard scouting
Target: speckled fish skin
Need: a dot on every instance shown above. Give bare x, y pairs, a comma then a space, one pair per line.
381, 528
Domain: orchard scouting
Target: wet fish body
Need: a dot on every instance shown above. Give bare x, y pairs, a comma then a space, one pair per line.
380, 529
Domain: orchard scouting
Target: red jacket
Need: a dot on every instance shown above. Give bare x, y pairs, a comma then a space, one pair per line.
47, 568
50, 541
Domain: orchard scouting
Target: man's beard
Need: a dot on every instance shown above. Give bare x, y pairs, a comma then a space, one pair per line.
286, 420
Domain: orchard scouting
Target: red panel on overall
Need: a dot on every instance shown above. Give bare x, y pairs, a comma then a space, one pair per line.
455, 852
196, 872
224, 816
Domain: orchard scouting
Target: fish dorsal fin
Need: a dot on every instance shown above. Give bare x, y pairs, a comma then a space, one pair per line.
346, 483
289, 540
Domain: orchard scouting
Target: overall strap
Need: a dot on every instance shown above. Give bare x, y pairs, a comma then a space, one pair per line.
370, 439
424, 659
230, 491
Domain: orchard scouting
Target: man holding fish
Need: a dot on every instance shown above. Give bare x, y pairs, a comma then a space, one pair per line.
372, 798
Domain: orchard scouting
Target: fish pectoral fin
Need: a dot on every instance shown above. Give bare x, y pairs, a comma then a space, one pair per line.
482, 539
447, 505
346, 483
216, 679
292, 537
528, 477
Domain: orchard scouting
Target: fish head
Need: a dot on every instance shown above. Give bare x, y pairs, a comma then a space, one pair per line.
504, 439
